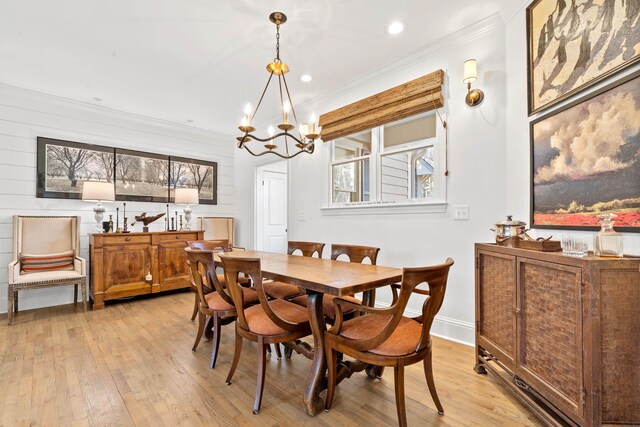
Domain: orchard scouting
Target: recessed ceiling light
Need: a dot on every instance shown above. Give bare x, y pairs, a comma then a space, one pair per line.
189, 120
306, 78
396, 27
95, 98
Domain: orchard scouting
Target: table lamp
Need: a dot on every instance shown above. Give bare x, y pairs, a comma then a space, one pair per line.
187, 197
98, 191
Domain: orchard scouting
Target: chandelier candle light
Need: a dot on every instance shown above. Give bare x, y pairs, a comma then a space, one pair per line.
292, 145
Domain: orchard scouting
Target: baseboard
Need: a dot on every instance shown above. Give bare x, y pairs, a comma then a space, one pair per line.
445, 327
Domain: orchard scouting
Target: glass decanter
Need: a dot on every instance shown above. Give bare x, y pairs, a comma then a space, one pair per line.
608, 241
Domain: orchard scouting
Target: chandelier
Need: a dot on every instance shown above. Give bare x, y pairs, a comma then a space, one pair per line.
291, 145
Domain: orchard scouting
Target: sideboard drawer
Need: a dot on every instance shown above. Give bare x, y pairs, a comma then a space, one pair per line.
174, 237
126, 240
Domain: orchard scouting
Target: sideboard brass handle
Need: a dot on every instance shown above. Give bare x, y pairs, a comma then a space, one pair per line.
127, 239
177, 237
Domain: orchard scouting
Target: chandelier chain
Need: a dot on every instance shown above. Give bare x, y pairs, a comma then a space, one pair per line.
278, 42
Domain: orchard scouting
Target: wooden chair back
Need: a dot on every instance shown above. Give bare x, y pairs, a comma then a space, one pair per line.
233, 268
306, 248
198, 261
436, 278
220, 245
355, 253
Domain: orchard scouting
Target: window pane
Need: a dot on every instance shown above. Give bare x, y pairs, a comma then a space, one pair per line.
350, 182
356, 145
407, 175
411, 130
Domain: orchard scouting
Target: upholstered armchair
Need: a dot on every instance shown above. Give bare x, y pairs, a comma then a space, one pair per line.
218, 228
45, 253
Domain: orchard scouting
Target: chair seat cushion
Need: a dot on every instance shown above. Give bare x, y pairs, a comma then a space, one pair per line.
260, 323
61, 261
281, 290
402, 341
48, 276
216, 302
327, 303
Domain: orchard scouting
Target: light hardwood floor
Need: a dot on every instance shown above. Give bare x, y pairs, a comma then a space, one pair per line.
131, 364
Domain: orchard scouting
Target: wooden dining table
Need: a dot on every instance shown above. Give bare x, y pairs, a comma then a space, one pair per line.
318, 277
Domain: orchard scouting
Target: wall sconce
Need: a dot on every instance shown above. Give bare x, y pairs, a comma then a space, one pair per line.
474, 97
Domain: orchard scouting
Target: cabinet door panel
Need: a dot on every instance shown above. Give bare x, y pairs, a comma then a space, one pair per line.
550, 332
125, 268
173, 270
496, 305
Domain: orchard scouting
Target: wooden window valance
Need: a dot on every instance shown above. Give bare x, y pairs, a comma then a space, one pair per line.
417, 96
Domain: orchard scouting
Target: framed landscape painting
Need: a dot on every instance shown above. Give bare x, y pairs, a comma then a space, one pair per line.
141, 177
573, 44
585, 161
64, 166
190, 173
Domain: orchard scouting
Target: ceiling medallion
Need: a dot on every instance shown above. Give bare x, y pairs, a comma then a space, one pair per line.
284, 143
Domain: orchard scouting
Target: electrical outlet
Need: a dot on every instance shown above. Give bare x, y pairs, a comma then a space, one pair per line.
461, 212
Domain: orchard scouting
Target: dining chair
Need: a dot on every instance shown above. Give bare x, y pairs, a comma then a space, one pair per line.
204, 245
269, 322
218, 304
384, 337
353, 253
308, 249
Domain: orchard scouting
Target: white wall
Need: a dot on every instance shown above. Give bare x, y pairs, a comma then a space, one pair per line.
24, 115
518, 145
477, 175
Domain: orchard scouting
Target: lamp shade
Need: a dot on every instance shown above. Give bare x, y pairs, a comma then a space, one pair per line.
187, 196
470, 71
98, 191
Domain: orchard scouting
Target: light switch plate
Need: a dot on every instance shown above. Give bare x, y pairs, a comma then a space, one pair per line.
461, 212
301, 216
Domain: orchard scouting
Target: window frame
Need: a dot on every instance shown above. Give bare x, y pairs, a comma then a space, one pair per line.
436, 203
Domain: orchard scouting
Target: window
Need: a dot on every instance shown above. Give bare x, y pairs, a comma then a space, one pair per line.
392, 164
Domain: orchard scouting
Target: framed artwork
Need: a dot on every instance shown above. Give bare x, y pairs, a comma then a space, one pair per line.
141, 177
585, 160
191, 173
64, 166
573, 44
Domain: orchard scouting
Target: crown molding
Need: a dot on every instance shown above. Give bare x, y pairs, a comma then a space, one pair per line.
458, 38
112, 112
512, 8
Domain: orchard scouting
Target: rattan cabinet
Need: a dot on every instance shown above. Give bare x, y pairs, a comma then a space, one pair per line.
562, 333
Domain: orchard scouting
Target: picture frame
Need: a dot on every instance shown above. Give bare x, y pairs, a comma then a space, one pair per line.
63, 166
573, 45
191, 173
141, 176
585, 160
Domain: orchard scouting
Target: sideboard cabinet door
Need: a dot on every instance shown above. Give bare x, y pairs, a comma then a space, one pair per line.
125, 268
496, 305
550, 343
173, 269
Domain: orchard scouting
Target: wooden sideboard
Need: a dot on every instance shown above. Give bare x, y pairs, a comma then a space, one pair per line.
120, 262
563, 333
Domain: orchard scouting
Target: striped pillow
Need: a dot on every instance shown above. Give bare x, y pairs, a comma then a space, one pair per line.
46, 262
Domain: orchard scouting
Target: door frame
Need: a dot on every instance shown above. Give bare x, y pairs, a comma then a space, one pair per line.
258, 188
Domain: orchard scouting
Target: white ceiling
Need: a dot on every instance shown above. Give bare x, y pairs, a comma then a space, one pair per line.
202, 60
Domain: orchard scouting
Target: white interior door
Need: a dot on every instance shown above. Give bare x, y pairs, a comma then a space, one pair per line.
271, 209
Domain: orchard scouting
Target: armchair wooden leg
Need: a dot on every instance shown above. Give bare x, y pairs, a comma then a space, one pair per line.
15, 301
10, 292
75, 294
195, 308
201, 321
398, 379
332, 362
428, 373
236, 358
83, 289
217, 331
262, 366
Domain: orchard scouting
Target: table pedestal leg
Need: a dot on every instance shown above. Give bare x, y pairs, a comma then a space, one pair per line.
315, 381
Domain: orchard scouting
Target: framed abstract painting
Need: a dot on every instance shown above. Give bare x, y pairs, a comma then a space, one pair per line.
573, 44
585, 160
